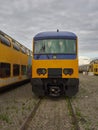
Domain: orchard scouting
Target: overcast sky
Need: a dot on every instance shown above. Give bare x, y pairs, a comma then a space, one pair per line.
22, 19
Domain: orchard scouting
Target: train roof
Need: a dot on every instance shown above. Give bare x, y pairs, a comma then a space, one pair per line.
15, 41
55, 35
94, 61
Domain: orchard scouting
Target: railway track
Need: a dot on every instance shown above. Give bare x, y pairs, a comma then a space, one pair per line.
51, 114
73, 115
25, 124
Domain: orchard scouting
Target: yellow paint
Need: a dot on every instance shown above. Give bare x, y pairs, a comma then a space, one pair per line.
12, 56
55, 64
7, 81
95, 68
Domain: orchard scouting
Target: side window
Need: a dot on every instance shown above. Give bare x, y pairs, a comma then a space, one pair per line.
5, 69
23, 50
16, 46
16, 69
4, 41
23, 69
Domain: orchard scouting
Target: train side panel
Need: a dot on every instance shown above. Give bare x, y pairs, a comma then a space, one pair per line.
11, 58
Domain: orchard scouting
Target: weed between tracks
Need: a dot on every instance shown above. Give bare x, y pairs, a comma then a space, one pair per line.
81, 119
73, 115
5, 117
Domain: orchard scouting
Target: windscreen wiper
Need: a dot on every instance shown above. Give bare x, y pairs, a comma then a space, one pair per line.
42, 50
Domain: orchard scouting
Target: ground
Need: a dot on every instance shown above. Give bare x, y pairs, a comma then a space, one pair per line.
15, 105
86, 103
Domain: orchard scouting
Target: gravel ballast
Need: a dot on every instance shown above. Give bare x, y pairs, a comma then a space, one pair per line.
16, 104
86, 102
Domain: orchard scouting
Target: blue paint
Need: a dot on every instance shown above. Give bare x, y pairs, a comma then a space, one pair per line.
55, 35
50, 56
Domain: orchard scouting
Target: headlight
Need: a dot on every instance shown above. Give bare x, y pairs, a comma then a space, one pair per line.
41, 71
68, 71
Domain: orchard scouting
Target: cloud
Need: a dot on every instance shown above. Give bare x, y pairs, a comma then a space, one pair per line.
22, 19
84, 60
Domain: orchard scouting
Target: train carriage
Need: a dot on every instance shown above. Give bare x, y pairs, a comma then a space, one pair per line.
55, 64
15, 60
94, 67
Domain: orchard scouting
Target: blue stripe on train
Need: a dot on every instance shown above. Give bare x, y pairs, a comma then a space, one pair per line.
54, 56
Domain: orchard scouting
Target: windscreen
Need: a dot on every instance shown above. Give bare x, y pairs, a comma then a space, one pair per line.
55, 46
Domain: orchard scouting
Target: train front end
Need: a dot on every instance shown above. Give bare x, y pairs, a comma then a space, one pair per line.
55, 64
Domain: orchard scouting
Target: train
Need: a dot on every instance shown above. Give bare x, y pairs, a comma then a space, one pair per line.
55, 64
91, 68
15, 61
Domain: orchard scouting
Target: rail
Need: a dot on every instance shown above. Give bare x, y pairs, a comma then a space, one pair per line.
25, 124
72, 114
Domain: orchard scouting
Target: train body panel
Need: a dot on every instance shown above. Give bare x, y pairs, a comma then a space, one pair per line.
95, 68
55, 64
11, 55
12, 80
14, 61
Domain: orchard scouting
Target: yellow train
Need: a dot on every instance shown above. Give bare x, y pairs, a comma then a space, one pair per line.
93, 67
15, 61
90, 69
55, 64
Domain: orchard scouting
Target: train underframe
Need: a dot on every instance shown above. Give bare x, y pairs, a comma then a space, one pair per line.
55, 86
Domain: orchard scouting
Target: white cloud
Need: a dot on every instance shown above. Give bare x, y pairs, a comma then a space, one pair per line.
84, 60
